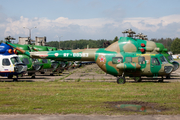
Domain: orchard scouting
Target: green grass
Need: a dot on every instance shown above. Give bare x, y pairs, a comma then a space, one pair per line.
84, 97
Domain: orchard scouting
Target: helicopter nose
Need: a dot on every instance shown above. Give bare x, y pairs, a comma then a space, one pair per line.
168, 69
176, 65
54, 65
20, 68
37, 67
63, 64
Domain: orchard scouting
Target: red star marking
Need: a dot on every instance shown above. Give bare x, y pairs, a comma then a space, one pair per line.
102, 59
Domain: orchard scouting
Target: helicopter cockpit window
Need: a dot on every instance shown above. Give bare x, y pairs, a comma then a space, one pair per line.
44, 61
35, 60
15, 60
163, 59
128, 59
117, 60
155, 61
25, 61
141, 60
6, 62
170, 58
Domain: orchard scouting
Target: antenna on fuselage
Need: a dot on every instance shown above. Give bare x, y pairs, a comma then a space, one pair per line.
141, 36
129, 32
9, 38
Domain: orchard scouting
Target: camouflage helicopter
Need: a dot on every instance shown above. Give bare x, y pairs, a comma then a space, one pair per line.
163, 51
126, 57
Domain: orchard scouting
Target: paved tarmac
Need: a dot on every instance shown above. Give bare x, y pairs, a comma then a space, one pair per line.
88, 117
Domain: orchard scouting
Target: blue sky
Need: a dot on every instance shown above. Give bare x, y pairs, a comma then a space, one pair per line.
89, 19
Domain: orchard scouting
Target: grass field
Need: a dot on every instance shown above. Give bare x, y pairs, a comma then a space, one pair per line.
86, 97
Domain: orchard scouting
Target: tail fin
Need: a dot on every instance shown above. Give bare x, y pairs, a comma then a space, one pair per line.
22, 51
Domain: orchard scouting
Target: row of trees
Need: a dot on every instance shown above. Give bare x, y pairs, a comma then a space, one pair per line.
81, 44
171, 44
175, 46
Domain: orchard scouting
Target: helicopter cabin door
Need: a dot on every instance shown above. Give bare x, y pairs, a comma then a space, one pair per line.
142, 61
155, 65
6, 65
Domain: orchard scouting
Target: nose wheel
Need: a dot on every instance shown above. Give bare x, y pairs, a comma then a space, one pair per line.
121, 80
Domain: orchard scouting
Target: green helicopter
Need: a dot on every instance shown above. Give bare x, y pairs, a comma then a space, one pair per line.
127, 57
33, 65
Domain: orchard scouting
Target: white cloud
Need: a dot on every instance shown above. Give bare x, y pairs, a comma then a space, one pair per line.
95, 28
152, 24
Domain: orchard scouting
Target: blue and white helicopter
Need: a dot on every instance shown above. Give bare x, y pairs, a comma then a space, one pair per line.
10, 64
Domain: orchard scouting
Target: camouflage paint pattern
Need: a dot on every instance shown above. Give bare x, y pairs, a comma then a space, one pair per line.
128, 56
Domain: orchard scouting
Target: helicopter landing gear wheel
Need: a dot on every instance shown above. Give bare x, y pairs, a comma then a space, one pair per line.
121, 80
137, 79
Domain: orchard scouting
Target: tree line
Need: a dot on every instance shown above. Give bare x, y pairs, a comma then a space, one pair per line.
172, 45
78, 44
169, 43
